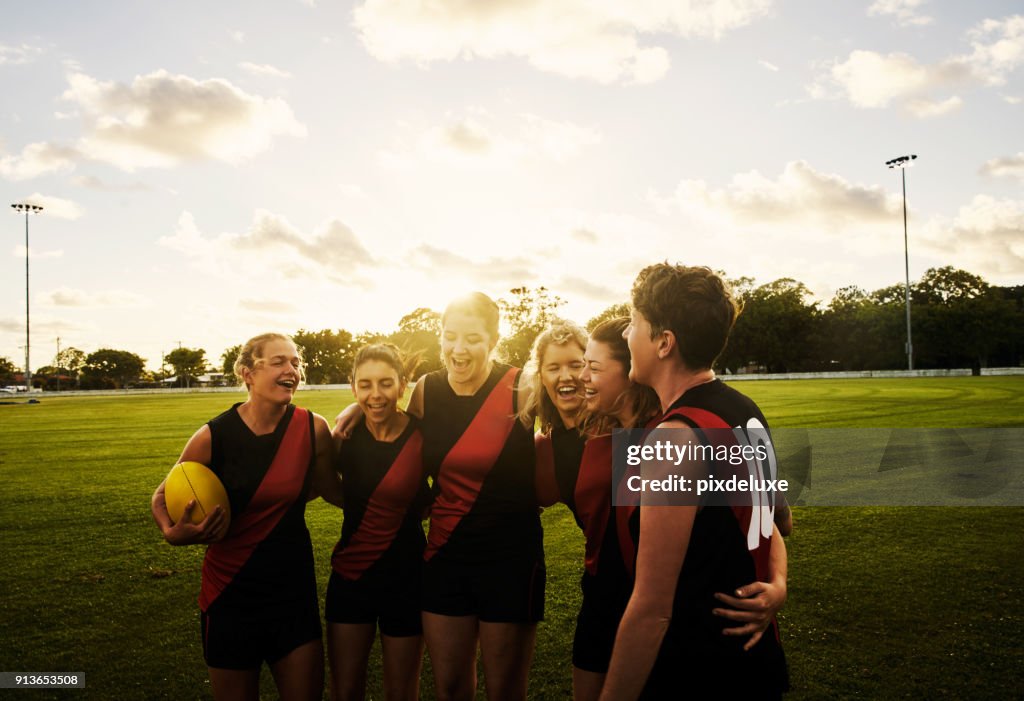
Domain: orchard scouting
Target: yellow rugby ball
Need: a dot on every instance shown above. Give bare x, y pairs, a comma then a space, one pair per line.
191, 480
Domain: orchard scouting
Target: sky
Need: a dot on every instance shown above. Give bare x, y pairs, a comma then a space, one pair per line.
211, 171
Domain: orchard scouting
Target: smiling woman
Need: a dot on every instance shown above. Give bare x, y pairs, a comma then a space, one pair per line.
483, 571
258, 595
483, 577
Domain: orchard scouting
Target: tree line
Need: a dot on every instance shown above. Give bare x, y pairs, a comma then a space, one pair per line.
958, 320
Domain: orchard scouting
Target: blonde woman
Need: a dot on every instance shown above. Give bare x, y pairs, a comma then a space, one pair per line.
258, 596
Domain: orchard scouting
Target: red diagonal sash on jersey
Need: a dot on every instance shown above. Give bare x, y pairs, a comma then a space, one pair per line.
467, 464
381, 520
287, 474
594, 495
744, 512
546, 485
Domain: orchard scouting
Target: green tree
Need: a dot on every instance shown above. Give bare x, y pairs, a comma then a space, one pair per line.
108, 368
227, 360
527, 313
7, 370
858, 332
71, 360
419, 331
327, 355
776, 328
959, 320
612, 312
188, 364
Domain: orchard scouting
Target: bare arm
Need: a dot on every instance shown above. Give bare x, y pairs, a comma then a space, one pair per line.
184, 532
415, 407
783, 515
326, 481
754, 605
525, 392
664, 538
347, 419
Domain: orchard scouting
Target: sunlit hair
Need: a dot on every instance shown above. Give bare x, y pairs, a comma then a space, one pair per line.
479, 305
559, 333
694, 303
403, 364
251, 356
641, 400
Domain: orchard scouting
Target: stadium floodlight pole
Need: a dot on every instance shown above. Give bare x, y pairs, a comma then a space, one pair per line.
902, 163
27, 209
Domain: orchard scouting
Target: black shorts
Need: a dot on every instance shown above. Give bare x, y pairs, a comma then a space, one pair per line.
597, 624
509, 591
244, 640
393, 603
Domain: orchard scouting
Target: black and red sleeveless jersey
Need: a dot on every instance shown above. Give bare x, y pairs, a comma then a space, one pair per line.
266, 558
385, 493
482, 460
559, 452
578, 472
729, 547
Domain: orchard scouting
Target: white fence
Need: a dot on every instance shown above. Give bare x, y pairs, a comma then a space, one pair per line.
865, 374
850, 375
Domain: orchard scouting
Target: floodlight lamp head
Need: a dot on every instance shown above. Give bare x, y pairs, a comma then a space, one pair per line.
901, 162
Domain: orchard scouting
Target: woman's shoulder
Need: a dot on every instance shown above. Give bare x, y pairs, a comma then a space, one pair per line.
227, 417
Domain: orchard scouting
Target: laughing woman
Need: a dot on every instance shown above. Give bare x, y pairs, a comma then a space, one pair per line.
612, 402
483, 573
376, 566
258, 596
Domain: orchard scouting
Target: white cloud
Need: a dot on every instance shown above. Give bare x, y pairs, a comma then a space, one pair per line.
905, 12
494, 271
237, 35
353, 191
581, 287
479, 138
274, 248
924, 108
91, 182
584, 235
70, 297
19, 252
263, 70
160, 120
986, 236
871, 80
55, 206
768, 66
1013, 99
18, 55
332, 245
592, 39
868, 79
998, 48
45, 325
1006, 166
800, 194
272, 306
38, 159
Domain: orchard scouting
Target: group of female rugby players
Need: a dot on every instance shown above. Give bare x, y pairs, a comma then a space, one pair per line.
676, 601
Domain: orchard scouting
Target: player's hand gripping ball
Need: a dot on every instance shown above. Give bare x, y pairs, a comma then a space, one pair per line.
191, 480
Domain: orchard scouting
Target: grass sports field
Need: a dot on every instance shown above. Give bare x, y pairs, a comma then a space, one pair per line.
883, 602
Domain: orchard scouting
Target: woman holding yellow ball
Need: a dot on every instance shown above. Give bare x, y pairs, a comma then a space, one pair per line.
258, 596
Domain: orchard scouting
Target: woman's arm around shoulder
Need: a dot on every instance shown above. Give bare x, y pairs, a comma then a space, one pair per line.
415, 407
664, 538
326, 480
